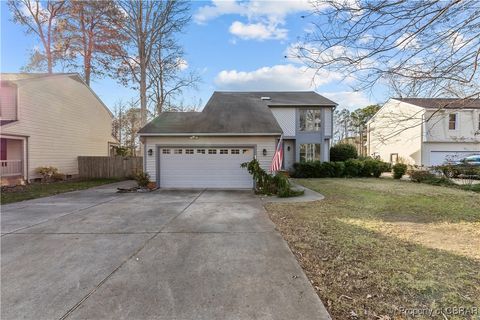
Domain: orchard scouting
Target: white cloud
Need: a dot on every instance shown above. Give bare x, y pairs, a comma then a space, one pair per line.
182, 64
278, 77
273, 10
265, 18
257, 31
348, 99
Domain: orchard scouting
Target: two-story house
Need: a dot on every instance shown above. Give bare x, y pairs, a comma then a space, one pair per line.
205, 149
49, 120
427, 132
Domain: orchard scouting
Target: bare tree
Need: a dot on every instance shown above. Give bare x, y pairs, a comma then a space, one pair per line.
41, 18
90, 35
144, 24
167, 76
126, 124
427, 48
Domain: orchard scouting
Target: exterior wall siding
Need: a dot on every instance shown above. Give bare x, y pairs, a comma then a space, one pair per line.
286, 119
436, 128
259, 142
396, 128
63, 120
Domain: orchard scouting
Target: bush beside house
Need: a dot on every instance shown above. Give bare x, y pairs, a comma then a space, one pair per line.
367, 167
343, 152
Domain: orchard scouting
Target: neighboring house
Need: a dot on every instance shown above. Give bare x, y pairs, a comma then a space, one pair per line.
205, 149
49, 120
426, 132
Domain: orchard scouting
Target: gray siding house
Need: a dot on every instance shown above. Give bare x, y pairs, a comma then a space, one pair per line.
205, 149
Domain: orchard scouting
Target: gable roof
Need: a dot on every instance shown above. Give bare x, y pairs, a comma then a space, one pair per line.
233, 113
19, 77
442, 103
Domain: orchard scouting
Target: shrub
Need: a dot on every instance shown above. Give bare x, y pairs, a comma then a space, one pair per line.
353, 168
399, 169
454, 171
338, 169
58, 177
304, 169
420, 175
372, 167
46, 172
270, 184
142, 178
343, 152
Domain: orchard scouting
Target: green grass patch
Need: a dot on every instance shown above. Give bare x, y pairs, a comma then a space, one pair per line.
39, 190
375, 246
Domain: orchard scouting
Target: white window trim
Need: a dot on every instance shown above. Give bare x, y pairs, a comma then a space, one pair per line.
456, 121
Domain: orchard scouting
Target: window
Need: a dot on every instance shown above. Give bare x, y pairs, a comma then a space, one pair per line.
235, 151
452, 121
212, 151
8, 101
177, 151
201, 151
310, 120
479, 122
166, 151
309, 152
223, 151
189, 151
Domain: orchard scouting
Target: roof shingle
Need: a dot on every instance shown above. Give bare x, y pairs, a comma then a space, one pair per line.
234, 113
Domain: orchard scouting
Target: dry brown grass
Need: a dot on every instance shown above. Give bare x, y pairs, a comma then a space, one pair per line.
375, 246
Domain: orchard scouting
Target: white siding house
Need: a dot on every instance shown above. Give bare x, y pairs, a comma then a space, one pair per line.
50, 120
425, 132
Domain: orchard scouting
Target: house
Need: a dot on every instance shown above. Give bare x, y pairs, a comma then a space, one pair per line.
425, 132
49, 120
205, 149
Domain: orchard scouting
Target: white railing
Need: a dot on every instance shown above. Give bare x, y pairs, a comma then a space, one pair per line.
10, 168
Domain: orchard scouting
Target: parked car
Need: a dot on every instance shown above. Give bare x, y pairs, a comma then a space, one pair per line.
473, 160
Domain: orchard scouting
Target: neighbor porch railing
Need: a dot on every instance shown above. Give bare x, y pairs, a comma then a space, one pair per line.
9, 168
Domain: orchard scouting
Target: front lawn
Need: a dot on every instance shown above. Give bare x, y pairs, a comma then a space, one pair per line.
379, 248
39, 190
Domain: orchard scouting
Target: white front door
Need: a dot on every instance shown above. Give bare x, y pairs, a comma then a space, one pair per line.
205, 167
288, 154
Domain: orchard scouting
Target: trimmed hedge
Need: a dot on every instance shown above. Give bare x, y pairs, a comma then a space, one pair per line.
399, 169
351, 168
343, 152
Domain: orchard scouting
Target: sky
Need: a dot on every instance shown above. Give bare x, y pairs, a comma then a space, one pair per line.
231, 45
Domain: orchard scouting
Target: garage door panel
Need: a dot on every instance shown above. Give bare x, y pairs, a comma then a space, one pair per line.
441, 157
198, 170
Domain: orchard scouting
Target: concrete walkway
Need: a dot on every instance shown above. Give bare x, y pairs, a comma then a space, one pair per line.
308, 196
96, 254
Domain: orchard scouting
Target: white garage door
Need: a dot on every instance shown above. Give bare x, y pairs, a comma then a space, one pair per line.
441, 157
194, 167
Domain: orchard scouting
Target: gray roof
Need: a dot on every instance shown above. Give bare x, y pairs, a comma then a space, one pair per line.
234, 113
443, 103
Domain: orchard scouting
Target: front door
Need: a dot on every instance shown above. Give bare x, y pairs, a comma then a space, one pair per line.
288, 154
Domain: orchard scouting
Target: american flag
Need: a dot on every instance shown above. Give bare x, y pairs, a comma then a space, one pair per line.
277, 157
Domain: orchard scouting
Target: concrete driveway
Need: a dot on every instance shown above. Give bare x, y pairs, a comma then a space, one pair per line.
96, 254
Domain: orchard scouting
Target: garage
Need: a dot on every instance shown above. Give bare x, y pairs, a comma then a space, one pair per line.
204, 167
441, 157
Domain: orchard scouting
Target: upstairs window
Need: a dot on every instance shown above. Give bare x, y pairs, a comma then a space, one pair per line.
479, 122
310, 120
8, 101
452, 121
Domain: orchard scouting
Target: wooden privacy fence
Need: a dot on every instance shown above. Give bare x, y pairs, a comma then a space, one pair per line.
109, 167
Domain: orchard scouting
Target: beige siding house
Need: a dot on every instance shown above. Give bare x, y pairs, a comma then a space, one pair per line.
425, 132
50, 120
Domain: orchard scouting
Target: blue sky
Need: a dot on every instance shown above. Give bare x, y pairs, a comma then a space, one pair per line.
232, 45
